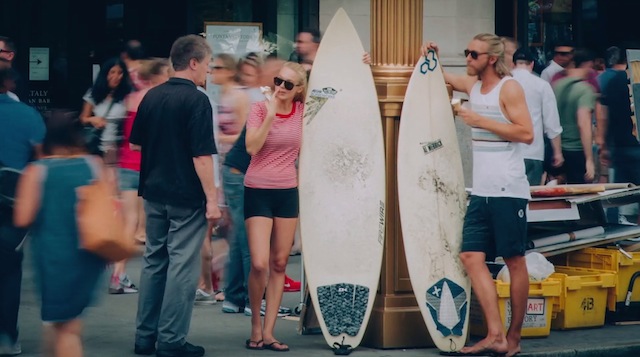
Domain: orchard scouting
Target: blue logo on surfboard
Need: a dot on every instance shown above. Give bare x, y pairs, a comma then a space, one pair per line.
430, 62
447, 303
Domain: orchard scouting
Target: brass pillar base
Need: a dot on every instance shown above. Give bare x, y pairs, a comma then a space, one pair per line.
396, 322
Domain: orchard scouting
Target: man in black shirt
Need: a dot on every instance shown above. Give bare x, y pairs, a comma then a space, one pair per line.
174, 131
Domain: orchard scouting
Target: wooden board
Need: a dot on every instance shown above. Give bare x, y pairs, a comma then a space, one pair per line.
565, 190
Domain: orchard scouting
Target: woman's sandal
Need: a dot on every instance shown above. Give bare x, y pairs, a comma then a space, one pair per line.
254, 345
270, 346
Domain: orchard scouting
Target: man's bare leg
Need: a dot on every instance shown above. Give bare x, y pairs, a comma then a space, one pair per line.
519, 294
485, 290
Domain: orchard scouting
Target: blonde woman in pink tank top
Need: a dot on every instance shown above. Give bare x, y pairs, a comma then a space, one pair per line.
274, 135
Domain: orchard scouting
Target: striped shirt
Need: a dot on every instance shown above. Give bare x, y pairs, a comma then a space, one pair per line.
273, 167
498, 165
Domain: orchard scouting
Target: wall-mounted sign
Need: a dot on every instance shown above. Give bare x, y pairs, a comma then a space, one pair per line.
236, 38
38, 64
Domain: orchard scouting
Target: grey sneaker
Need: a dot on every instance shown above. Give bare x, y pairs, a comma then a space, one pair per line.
122, 285
127, 286
8, 348
203, 298
282, 311
231, 308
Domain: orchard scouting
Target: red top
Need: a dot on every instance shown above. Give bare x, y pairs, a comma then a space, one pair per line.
273, 167
129, 159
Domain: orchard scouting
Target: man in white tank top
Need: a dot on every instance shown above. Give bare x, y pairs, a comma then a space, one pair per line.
495, 223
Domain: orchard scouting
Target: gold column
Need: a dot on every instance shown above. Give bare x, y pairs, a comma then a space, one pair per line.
396, 37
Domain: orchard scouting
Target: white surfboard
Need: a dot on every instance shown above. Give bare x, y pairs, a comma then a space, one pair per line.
432, 202
342, 186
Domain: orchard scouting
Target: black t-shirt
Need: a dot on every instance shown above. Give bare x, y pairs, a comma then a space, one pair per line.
615, 95
237, 157
173, 125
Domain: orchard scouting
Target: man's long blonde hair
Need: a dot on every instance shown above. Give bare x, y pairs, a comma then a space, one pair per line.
496, 49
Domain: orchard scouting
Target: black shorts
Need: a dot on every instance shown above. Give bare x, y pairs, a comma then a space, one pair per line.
263, 202
496, 226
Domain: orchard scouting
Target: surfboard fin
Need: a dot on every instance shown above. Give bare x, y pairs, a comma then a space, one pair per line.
340, 349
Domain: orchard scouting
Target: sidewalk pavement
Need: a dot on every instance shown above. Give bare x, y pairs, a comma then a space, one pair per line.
110, 327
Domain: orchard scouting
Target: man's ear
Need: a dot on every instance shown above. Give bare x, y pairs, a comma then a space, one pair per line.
193, 63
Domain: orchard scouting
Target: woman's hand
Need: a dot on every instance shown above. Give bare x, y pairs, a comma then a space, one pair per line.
272, 103
97, 122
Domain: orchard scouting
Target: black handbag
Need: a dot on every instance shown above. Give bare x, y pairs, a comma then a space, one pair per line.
93, 135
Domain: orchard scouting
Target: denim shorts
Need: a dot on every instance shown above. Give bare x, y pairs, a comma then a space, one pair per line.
496, 226
128, 180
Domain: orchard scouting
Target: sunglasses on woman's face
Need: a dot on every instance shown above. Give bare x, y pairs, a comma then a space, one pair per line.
287, 85
474, 54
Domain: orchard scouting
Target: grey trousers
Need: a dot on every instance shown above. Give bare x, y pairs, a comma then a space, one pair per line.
170, 273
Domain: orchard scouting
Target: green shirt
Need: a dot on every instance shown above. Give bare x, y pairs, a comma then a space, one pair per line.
572, 94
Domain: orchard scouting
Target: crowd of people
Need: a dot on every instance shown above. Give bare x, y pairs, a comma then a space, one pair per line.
175, 156
585, 113
193, 171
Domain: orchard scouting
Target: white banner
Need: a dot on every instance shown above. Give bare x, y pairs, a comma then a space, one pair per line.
237, 39
38, 64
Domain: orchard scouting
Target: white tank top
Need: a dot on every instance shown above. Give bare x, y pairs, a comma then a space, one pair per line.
498, 164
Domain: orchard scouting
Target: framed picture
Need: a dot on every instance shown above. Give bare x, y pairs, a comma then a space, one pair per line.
236, 38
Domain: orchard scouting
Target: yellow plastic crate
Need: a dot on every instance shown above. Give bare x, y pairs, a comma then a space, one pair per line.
610, 259
537, 321
583, 297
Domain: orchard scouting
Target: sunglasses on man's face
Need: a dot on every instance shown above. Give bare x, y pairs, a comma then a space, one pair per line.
564, 53
473, 54
287, 84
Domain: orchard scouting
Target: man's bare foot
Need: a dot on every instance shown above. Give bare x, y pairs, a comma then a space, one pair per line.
514, 345
496, 345
513, 352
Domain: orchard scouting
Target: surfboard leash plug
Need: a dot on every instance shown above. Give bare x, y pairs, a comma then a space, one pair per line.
340, 349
